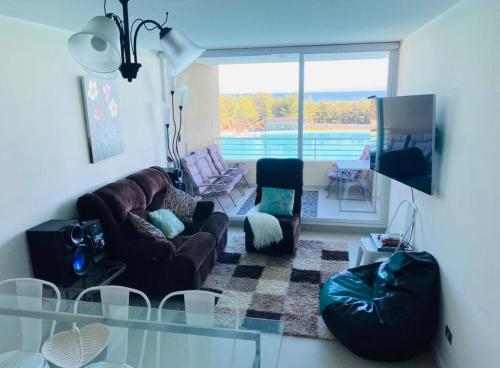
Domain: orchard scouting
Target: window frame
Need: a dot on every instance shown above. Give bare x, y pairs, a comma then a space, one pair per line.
391, 47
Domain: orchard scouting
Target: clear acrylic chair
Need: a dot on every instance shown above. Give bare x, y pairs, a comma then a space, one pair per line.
115, 302
199, 308
28, 295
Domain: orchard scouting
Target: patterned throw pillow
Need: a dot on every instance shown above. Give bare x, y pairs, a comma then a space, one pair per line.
144, 228
181, 204
167, 222
277, 201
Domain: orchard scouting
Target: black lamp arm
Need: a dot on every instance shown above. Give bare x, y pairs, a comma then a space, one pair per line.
119, 24
143, 23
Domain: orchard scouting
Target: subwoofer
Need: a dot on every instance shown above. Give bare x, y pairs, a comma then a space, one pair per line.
59, 251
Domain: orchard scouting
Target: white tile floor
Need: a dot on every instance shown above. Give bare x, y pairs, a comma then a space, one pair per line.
328, 208
314, 353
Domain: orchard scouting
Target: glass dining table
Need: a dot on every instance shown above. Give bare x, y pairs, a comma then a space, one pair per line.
169, 342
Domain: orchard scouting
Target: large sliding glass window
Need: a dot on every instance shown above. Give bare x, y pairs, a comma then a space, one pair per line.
259, 108
336, 104
311, 103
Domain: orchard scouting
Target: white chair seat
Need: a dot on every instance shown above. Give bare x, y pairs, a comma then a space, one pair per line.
22, 359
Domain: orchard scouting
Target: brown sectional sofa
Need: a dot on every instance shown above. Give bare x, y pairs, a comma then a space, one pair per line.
155, 266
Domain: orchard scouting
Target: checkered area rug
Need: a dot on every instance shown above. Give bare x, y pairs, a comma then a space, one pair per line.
309, 204
283, 288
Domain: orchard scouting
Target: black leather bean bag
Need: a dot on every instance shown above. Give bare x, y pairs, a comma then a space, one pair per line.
384, 311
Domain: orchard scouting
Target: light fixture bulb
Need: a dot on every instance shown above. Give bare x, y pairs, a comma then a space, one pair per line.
98, 44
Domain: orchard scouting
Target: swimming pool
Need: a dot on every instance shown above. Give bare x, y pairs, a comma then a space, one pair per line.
317, 145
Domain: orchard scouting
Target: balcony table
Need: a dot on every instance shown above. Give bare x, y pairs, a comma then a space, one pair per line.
344, 167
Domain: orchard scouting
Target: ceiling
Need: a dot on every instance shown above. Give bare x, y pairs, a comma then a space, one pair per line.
217, 24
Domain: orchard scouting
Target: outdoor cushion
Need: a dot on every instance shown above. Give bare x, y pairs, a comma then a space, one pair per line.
384, 311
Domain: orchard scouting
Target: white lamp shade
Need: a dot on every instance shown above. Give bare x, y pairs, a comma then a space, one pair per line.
179, 50
171, 80
97, 47
183, 95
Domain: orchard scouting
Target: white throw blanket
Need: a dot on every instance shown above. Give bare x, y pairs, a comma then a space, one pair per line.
265, 227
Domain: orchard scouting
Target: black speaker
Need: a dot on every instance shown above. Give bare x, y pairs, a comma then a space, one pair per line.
59, 252
94, 237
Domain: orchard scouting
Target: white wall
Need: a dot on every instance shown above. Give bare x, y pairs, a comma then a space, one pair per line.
201, 115
44, 160
457, 57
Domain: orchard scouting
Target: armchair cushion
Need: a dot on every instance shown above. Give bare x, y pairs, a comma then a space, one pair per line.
142, 248
276, 201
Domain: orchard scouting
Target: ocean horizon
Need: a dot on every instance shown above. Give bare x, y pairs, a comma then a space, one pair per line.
325, 95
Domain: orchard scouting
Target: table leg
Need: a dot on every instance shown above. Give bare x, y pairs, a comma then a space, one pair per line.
360, 256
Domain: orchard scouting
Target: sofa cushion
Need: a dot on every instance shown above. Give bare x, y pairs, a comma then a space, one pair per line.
143, 228
122, 197
151, 181
216, 225
167, 222
180, 203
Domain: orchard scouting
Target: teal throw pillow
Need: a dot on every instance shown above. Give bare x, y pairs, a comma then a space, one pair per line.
277, 201
167, 222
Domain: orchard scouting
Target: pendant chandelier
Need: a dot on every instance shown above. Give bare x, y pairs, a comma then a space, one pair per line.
109, 43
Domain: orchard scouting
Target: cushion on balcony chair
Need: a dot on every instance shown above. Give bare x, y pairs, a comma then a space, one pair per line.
220, 164
384, 311
194, 174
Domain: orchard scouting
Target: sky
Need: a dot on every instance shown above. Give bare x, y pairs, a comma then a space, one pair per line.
319, 76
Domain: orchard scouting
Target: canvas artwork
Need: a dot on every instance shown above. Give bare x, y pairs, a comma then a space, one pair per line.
104, 130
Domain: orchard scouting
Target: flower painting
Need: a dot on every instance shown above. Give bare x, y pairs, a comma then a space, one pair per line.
102, 107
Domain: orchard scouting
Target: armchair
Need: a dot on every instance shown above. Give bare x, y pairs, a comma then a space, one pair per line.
283, 174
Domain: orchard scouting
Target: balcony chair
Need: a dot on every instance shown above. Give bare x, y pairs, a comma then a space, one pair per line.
203, 180
283, 174
225, 169
232, 177
28, 295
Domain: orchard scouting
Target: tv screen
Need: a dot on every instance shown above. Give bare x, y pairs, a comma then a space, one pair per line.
403, 139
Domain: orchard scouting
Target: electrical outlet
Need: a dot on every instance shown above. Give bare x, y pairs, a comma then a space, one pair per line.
448, 334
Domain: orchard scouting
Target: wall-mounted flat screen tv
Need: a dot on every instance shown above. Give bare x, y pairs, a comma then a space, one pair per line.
403, 139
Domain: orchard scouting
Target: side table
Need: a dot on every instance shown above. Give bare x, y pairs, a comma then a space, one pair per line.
369, 253
100, 274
